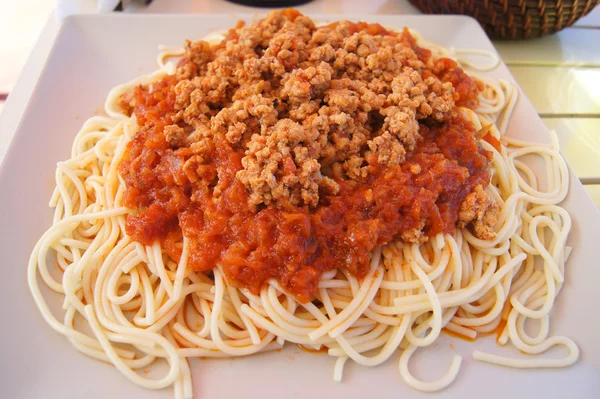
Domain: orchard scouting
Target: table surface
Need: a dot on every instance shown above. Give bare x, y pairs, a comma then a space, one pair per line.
559, 73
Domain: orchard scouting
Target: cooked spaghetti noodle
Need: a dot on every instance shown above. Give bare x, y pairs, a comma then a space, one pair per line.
137, 299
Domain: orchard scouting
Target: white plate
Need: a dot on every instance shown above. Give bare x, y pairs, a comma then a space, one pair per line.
93, 54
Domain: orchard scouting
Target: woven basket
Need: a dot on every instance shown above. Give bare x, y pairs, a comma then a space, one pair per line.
514, 19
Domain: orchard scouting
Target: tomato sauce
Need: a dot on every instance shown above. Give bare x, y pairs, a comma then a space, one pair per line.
294, 247
496, 331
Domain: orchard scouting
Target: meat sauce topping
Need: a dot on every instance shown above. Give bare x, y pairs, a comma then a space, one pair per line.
288, 150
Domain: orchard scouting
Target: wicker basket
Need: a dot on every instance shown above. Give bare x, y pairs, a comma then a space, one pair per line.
514, 19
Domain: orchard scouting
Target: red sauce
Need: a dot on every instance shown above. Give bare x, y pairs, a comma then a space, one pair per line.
306, 349
493, 141
457, 335
295, 248
496, 331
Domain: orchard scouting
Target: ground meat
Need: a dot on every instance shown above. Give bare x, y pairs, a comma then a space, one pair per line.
252, 114
280, 165
428, 97
414, 236
310, 109
175, 136
301, 85
401, 124
389, 151
358, 91
199, 53
346, 100
480, 211
286, 151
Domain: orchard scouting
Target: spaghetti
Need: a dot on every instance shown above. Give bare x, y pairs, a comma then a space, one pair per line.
134, 299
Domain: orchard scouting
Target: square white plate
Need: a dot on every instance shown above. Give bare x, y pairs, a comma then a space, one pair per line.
93, 54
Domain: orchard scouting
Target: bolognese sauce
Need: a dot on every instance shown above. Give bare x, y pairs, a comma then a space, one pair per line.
289, 150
